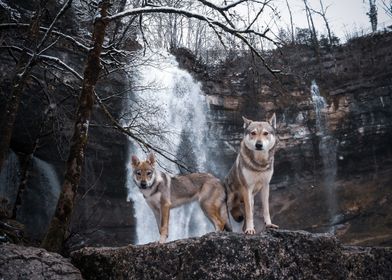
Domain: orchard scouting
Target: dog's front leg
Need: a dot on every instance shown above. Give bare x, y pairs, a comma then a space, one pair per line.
265, 202
164, 227
249, 227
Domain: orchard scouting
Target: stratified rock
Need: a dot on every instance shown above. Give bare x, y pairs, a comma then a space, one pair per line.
271, 255
18, 262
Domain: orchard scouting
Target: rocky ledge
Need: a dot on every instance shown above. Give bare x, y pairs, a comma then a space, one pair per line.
276, 254
19, 262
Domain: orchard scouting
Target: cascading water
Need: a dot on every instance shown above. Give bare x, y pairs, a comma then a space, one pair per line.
41, 195
327, 149
180, 112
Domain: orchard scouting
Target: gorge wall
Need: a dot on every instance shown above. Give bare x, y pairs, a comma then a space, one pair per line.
355, 80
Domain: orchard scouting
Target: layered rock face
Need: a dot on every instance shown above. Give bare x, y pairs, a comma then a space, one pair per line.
333, 165
272, 255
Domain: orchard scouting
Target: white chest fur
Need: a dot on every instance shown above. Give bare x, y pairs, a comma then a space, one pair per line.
256, 180
154, 199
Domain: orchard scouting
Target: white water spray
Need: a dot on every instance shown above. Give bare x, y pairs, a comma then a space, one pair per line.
42, 191
181, 113
328, 149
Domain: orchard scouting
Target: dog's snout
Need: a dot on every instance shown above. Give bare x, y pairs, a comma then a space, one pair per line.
259, 145
143, 184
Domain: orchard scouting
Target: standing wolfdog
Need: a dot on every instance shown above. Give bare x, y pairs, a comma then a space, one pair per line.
163, 192
252, 172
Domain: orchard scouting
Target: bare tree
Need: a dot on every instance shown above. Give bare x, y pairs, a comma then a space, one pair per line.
323, 14
372, 14
291, 23
387, 7
312, 28
59, 225
22, 71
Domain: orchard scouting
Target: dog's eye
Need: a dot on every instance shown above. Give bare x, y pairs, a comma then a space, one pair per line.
265, 133
138, 172
253, 133
149, 173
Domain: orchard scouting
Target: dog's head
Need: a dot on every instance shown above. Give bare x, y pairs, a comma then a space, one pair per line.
260, 136
144, 171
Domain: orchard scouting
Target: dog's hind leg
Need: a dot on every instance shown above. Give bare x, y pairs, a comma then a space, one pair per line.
212, 211
225, 216
234, 205
211, 202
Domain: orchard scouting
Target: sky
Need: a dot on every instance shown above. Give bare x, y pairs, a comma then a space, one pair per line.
345, 16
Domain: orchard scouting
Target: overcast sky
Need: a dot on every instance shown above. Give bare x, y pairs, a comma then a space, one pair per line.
345, 16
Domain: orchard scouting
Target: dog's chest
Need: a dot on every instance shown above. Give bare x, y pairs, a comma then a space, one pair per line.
152, 198
255, 180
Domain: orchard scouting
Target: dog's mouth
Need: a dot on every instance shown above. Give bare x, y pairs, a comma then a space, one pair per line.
259, 148
144, 187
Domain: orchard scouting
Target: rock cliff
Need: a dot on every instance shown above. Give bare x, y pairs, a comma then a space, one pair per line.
333, 166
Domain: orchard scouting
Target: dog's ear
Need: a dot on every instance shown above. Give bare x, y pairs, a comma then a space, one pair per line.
246, 122
135, 160
151, 158
272, 121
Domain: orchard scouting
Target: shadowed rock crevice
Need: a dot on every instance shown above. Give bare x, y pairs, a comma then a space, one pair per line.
271, 255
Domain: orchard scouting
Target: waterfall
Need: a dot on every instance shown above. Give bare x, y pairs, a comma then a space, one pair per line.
178, 110
40, 198
327, 149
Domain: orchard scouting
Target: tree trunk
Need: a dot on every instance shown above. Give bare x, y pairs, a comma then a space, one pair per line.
311, 26
324, 16
21, 73
291, 23
373, 14
26, 165
59, 225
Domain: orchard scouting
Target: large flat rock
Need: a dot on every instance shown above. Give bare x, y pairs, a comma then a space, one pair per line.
274, 254
29, 263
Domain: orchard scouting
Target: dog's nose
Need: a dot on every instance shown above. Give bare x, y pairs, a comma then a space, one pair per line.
143, 184
259, 146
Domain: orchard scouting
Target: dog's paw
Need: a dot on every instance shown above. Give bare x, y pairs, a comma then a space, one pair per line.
271, 226
162, 240
250, 231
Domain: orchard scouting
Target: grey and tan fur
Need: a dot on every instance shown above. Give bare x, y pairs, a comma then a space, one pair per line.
251, 173
163, 192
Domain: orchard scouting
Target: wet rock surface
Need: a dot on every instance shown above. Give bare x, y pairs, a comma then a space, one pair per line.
18, 262
274, 254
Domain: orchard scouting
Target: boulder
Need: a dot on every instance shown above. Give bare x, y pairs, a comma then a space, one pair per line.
276, 254
18, 262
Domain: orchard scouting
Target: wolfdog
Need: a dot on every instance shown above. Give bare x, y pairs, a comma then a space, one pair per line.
252, 172
163, 192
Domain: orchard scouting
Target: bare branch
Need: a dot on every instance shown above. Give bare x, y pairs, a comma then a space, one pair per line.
134, 137
232, 31
55, 32
49, 30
